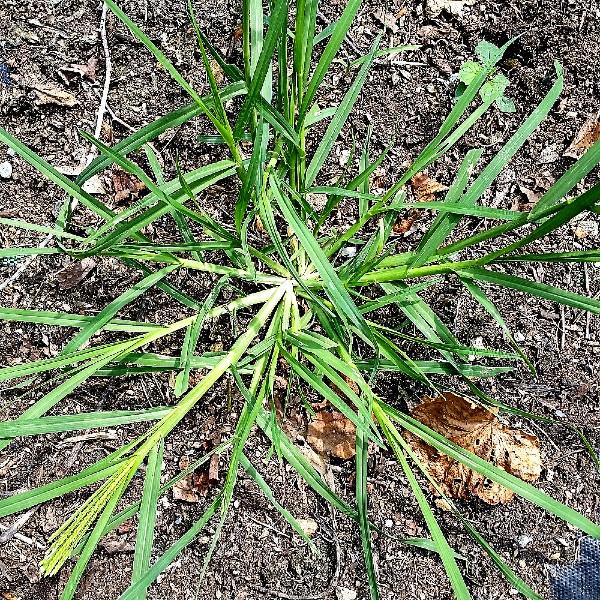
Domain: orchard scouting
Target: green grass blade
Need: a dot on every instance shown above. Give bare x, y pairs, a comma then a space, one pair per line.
62, 319
25, 500
54, 396
362, 456
578, 256
338, 34
107, 313
335, 288
490, 307
567, 182
133, 591
92, 420
252, 183
445, 551
92, 541
191, 338
491, 171
277, 24
533, 288
168, 66
147, 520
50, 173
268, 493
58, 233
337, 123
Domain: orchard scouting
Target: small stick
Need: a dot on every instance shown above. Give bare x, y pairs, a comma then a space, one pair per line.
586, 283
12, 531
25, 539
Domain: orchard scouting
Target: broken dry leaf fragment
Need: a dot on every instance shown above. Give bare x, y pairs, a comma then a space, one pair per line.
333, 434
51, 94
74, 273
194, 486
424, 189
588, 135
478, 430
125, 185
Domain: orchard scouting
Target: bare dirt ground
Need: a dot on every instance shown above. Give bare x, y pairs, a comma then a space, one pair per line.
258, 556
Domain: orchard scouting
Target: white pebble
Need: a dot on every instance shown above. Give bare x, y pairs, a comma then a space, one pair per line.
6, 170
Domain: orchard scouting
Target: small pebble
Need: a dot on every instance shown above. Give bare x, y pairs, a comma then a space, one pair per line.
6, 170
389, 523
524, 540
548, 155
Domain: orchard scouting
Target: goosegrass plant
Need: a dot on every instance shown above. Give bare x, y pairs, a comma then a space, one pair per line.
315, 306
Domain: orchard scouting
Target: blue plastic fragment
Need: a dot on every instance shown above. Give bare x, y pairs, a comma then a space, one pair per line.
4, 74
581, 580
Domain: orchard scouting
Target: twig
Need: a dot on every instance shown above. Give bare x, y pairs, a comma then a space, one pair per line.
25, 264
586, 283
25, 539
107, 74
12, 531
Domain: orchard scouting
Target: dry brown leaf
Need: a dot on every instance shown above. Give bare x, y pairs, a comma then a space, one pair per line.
74, 273
588, 135
10, 596
333, 434
193, 487
50, 94
125, 185
424, 189
258, 225
478, 430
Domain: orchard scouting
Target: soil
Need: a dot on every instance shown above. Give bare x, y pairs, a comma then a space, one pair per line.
258, 556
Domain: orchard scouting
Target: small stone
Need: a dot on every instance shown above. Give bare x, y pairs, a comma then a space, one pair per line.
6, 170
389, 523
309, 526
348, 252
524, 540
586, 229
548, 155
343, 593
519, 337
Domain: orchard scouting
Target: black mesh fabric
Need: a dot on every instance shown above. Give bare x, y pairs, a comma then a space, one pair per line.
581, 580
